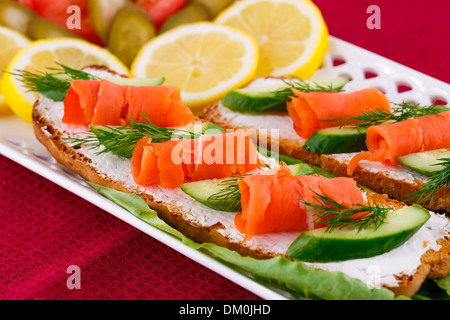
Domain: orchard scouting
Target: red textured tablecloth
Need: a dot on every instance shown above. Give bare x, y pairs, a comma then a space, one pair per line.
44, 228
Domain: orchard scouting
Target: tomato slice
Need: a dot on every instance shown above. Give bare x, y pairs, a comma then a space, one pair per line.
160, 10
56, 11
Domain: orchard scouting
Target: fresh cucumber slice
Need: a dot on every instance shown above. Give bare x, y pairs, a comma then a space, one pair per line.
336, 140
204, 128
426, 162
138, 82
203, 190
300, 169
201, 128
305, 168
344, 244
255, 100
279, 157
268, 98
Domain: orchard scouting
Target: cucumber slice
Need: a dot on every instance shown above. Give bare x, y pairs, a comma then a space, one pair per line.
336, 140
279, 157
267, 98
426, 162
300, 169
204, 189
305, 168
139, 82
204, 128
201, 128
255, 100
344, 244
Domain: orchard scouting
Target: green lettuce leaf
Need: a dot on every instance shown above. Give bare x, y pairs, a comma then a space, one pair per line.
444, 284
295, 277
434, 289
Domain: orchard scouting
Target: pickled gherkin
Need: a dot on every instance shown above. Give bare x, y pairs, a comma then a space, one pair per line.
214, 6
101, 13
194, 12
40, 28
15, 15
130, 30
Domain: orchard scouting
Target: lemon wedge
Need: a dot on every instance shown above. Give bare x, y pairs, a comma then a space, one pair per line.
41, 55
12, 41
292, 34
205, 60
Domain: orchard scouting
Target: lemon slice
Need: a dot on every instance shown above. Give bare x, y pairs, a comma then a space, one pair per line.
12, 41
292, 34
205, 60
43, 54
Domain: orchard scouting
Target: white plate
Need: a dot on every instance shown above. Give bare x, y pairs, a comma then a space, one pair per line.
18, 143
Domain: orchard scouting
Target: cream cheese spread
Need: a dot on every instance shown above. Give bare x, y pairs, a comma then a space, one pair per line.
280, 126
285, 127
396, 172
403, 260
277, 125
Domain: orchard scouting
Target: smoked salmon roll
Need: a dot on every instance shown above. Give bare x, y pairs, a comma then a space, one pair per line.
389, 141
311, 110
101, 102
174, 162
272, 200
80, 102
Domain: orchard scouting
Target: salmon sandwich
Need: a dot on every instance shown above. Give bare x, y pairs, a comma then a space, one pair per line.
398, 149
279, 218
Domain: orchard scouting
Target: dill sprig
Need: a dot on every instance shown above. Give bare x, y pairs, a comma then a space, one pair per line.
439, 179
272, 99
285, 94
327, 211
400, 112
331, 213
54, 83
121, 140
229, 197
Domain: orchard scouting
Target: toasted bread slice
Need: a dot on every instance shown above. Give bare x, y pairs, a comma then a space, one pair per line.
398, 182
203, 224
